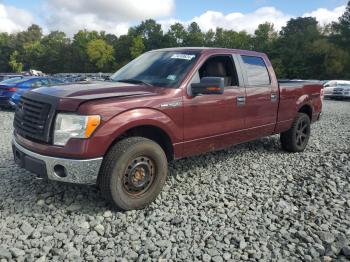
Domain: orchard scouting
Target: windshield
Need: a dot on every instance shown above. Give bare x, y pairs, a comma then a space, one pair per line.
158, 68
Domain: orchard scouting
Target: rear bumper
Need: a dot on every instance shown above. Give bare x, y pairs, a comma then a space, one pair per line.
59, 169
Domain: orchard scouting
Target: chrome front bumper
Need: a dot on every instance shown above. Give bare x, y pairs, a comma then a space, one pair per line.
59, 169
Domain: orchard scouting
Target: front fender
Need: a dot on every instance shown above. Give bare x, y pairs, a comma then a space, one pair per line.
120, 123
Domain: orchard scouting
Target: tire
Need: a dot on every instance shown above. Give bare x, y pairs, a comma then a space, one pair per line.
297, 137
133, 173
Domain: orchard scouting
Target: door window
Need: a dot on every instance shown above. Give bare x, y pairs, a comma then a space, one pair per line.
218, 66
256, 69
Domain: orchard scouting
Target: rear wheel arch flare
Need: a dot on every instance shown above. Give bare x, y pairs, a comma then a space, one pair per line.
306, 109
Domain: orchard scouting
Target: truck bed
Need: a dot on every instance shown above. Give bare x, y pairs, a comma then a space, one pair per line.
295, 93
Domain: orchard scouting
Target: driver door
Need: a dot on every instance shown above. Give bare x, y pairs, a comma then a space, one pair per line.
211, 122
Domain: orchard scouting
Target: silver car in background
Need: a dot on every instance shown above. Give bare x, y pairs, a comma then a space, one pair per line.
337, 89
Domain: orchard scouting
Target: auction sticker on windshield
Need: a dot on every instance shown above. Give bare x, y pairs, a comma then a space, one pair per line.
183, 56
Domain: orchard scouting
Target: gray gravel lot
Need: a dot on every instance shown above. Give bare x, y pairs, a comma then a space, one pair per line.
250, 202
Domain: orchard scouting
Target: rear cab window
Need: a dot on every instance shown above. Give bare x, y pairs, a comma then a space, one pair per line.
256, 71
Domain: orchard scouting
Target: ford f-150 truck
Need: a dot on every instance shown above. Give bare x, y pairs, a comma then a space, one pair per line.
165, 105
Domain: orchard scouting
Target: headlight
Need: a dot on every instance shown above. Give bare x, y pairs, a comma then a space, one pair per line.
74, 126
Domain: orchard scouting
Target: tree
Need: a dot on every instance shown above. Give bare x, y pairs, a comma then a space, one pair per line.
294, 45
264, 37
32, 34
100, 53
340, 36
176, 35
209, 38
57, 53
341, 33
232, 39
32, 52
15, 65
194, 36
5, 52
122, 51
303, 49
278, 68
329, 61
81, 60
151, 33
137, 47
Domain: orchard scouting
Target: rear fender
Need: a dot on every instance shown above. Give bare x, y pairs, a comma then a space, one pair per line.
302, 101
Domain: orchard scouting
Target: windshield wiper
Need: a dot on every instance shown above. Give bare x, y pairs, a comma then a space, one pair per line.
134, 81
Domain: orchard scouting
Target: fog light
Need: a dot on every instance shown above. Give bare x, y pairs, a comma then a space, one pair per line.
60, 171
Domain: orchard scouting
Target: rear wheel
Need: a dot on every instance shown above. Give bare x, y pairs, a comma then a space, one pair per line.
133, 173
297, 137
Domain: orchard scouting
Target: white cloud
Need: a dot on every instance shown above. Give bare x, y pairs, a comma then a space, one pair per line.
71, 23
13, 19
325, 16
250, 21
117, 9
113, 16
239, 21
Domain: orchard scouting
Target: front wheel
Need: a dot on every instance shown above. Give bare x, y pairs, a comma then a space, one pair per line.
133, 173
297, 137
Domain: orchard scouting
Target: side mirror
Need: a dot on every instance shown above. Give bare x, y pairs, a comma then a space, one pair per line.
209, 86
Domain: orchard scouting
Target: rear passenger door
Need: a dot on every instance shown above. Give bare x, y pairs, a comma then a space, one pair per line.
261, 101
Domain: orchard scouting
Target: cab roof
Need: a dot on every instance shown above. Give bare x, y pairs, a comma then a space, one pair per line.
212, 50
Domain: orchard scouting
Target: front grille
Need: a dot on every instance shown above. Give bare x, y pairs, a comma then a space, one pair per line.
32, 119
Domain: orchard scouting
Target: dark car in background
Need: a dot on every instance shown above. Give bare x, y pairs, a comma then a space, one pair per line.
11, 90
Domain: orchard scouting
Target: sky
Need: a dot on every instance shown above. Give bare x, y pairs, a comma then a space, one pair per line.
116, 16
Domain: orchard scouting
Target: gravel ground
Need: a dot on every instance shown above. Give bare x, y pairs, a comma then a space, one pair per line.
250, 202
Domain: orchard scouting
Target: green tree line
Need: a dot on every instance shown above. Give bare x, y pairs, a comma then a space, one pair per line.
302, 49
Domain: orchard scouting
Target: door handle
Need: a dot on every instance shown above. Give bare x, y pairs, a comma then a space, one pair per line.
241, 100
273, 97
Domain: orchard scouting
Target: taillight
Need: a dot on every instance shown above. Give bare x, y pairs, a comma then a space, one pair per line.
11, 89
322, 93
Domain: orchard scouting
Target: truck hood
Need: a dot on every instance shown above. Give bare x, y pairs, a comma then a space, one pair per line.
96, 90
71, 96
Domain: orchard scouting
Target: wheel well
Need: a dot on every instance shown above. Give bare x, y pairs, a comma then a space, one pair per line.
306, 109
153, 133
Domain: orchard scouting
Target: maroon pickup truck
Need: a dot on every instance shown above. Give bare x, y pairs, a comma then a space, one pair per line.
166, 104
